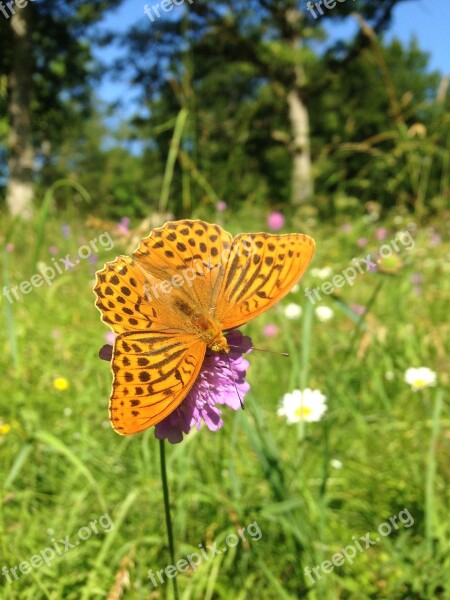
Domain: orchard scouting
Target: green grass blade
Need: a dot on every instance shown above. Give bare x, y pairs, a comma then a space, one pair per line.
59, 446
170, 164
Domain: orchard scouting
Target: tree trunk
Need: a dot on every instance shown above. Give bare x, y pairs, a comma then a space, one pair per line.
19, 192
302, 182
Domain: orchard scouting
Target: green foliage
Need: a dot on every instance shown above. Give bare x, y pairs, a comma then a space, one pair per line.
63, 467
61, 73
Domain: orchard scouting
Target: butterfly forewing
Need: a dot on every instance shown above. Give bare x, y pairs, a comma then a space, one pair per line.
152, 375
188, 258
121, 297
260, 276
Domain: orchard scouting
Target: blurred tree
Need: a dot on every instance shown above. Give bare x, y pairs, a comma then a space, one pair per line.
248, 51
45, 55
377, 126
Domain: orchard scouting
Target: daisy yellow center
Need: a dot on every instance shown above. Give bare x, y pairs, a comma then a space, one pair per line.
303, 411
420, 383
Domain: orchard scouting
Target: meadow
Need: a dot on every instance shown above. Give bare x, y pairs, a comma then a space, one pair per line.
83, 507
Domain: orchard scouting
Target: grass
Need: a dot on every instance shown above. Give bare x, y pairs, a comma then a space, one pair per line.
63, 467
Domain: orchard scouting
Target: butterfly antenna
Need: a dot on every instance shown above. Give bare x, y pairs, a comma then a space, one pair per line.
234, 381
264, 350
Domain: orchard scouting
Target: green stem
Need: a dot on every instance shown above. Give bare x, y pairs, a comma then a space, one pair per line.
162, 454
430, 517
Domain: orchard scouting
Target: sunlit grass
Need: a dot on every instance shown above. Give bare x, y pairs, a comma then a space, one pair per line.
63, 466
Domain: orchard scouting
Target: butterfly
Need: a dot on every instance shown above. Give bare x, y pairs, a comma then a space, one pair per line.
187, 283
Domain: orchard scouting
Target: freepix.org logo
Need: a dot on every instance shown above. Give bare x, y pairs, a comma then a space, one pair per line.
58, 548
166, 6
12, 5
47, 273
194, 560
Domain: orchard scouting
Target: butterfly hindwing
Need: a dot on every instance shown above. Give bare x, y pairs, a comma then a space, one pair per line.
153, 372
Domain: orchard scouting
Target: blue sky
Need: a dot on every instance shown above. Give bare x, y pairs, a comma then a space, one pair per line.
428, 20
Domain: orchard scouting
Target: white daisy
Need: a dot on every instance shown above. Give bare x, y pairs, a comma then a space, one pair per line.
323, 273
324, 313
296, 406
335, 463
293, 311
420, 378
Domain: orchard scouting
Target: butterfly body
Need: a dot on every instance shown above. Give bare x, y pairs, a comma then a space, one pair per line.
210, 332
202, 282
205, 327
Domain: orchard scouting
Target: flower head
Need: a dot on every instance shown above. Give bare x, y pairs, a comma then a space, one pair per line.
270, 330
390, 264
216, 384
61, 384
65, 230
380, 234
221, 206
358, 309
420, 378
275, 221
435, 239
293, 311
110, 337
307, 405
123, 227
9, 247
5, 428
324, 313
323, 273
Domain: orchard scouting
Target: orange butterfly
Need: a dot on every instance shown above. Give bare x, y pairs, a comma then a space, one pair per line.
188, 282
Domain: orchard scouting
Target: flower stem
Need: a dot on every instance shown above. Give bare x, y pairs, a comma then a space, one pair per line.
430, 515
162, 454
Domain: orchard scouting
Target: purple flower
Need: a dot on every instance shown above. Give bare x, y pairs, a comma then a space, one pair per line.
416, 278
362, 242
435, 239
346, 228
106, 352
93, 259
53, 250
65, 229
215, 384
9, 247
110, 336
374, 264
380, 234
221, 206
275, 221
358, 309
123, 227
270, 330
